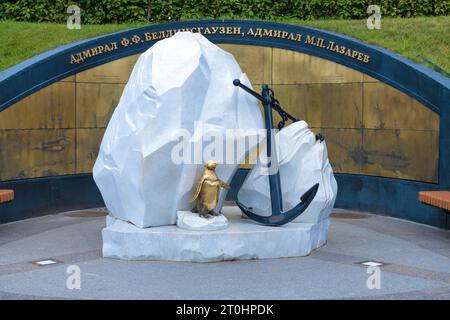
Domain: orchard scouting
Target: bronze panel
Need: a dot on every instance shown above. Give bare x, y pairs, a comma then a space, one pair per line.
367, 78
293, 99
117, 71
69, 79
88, 145
344, 149
51, 107
290, 67
337, 105
36, 153
405, 154
96, 103
388, 108
255, 61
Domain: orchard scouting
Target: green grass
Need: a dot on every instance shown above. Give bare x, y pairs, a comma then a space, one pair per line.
410, 37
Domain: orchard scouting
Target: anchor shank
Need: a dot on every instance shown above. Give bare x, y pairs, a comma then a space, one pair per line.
272, 165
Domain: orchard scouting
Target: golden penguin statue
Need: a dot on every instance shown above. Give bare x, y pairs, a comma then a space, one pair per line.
207, 190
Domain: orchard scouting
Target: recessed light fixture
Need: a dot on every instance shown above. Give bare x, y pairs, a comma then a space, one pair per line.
46, 262
372, 263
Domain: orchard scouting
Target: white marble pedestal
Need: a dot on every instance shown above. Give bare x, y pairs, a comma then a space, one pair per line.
243, 239
193, 221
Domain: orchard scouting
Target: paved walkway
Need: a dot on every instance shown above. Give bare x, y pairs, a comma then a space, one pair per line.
416, 258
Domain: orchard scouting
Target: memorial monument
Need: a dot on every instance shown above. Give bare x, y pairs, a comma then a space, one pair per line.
182, 94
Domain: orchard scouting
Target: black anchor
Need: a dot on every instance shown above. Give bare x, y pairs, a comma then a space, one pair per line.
278, 217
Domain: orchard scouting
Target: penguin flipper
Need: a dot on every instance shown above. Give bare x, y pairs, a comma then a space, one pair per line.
198, 188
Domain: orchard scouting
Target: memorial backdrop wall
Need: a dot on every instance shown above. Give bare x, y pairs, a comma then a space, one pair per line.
386, 120
370, 127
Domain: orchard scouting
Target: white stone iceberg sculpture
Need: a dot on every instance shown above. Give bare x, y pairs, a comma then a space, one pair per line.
183, 82
303, 162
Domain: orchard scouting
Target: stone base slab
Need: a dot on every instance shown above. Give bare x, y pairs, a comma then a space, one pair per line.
242, 240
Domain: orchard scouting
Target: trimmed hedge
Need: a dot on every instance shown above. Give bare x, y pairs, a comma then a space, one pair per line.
126, 11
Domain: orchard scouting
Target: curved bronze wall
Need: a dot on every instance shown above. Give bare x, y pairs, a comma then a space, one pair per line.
370, 127
386, 119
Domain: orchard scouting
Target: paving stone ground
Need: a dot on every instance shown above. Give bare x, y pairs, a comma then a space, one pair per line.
416, 258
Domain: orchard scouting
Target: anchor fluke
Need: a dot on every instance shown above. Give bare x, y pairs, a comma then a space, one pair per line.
308, 195
278, 219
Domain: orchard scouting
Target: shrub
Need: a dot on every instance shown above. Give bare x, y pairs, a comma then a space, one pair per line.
125, 11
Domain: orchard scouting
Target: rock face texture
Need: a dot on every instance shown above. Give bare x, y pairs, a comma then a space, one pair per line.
303, 162
180, 93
